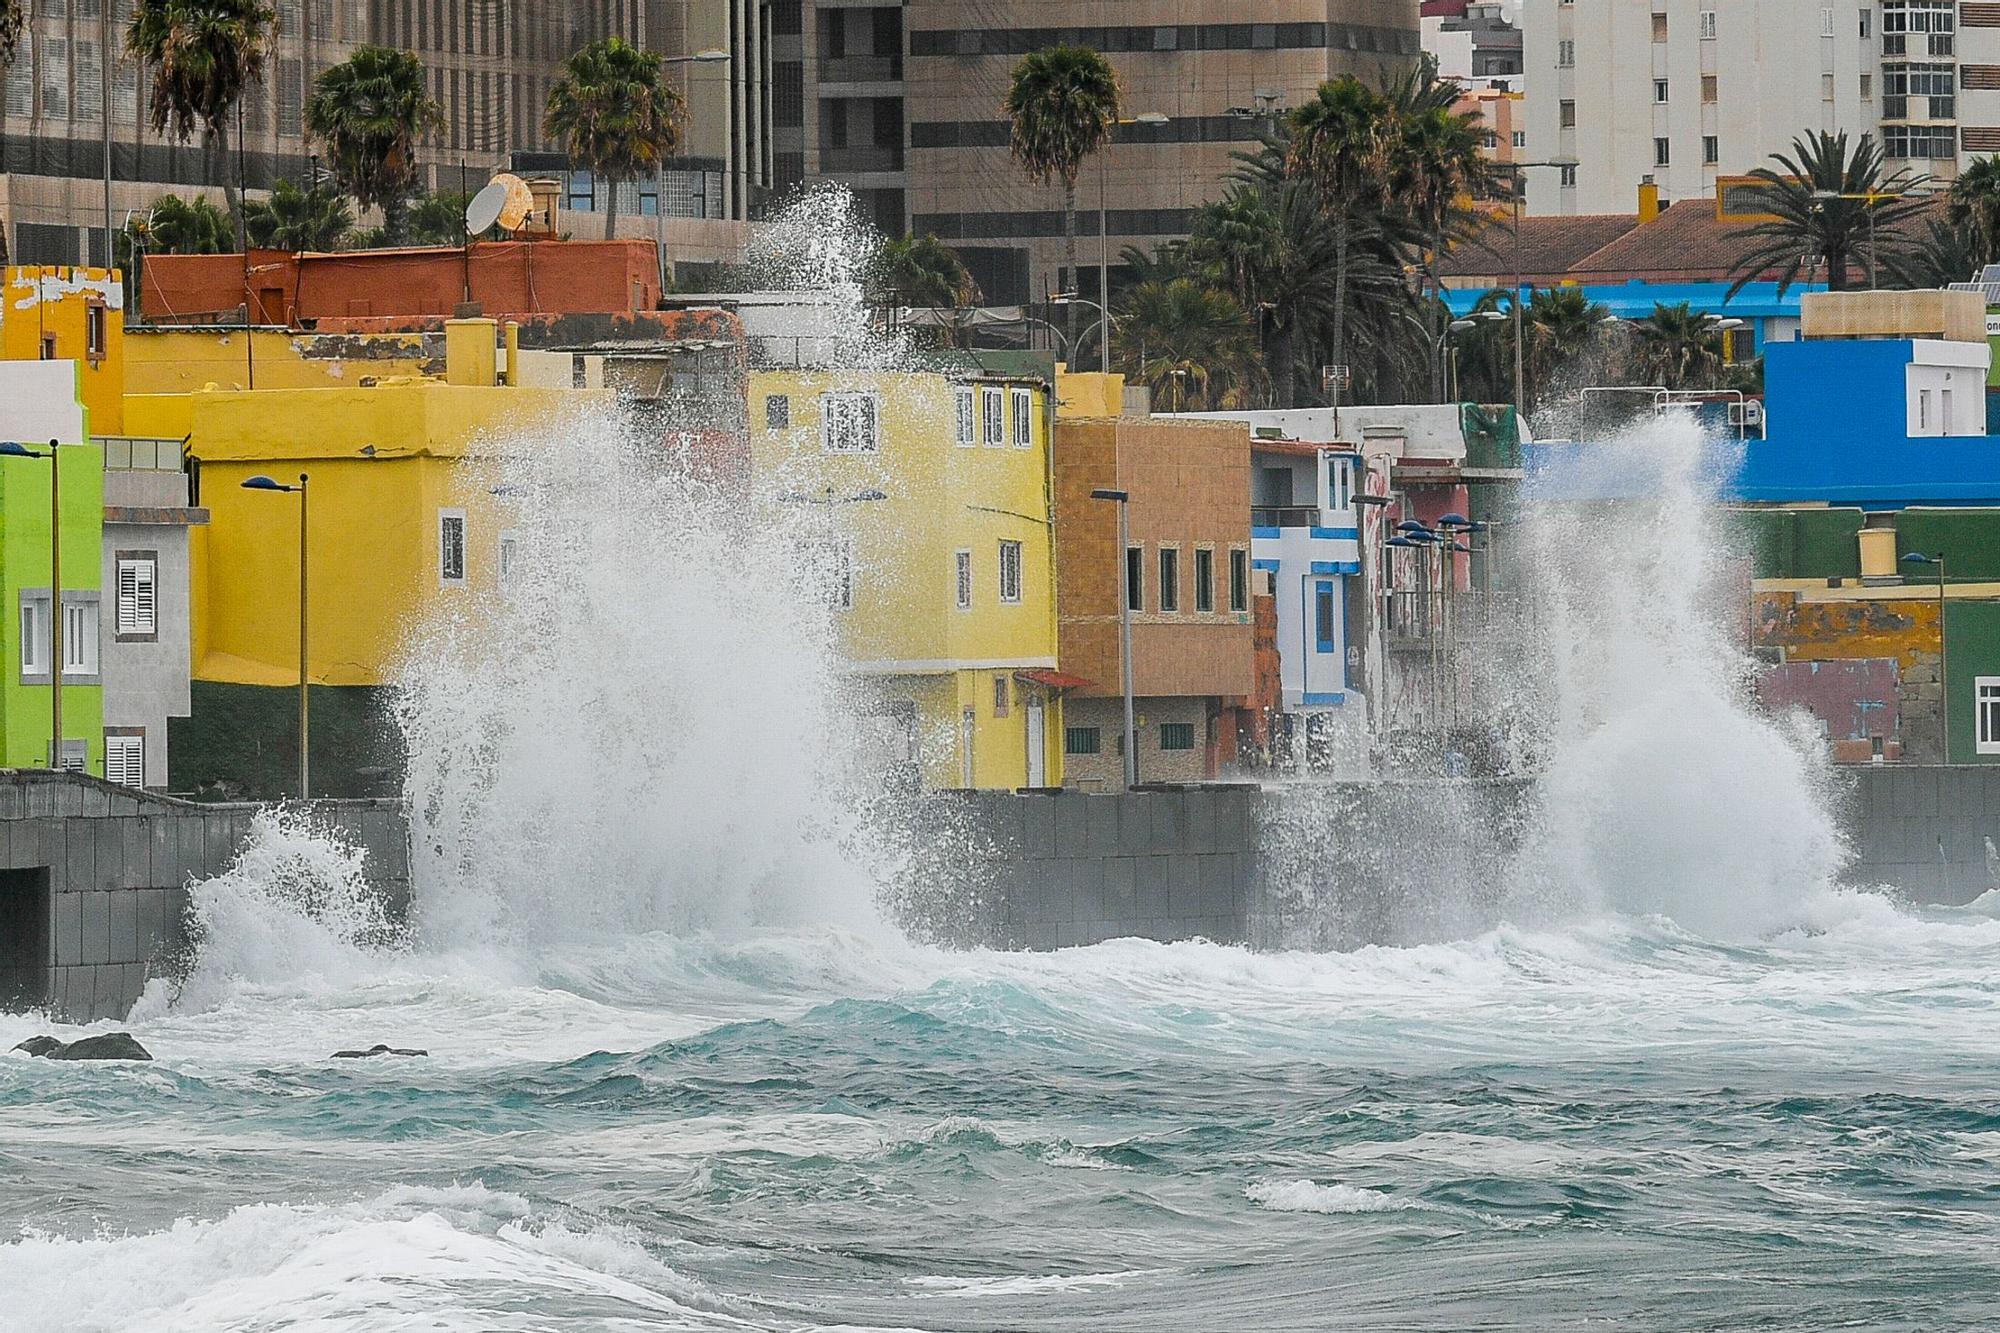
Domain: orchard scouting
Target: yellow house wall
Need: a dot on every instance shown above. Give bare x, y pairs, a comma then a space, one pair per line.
37, 302
374, 521
184, 360
942, 498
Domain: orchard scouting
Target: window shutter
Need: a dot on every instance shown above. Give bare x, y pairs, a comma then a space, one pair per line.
137, 604
125, 760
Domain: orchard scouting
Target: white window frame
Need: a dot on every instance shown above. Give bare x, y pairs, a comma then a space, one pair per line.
125, 760
1010, 563
1339, 484
1565, 54
835, 585
962, 575
1168, 590
34, 624
1985, 740
138, 610
81, 627
506, 550
445, 517
993, 418
1022, 404
1705, 25
850, 423
965, 418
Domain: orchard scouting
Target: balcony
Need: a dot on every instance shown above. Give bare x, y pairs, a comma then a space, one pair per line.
861, 69
859, 161
139, 453
1285, 516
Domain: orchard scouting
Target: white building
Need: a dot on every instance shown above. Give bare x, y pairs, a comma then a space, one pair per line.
1686, 91
1477, 42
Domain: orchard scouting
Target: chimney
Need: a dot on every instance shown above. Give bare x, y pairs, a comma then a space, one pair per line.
1649, 200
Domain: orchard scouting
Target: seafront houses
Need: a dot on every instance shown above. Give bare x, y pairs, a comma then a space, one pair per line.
924, 502
1185, 575
396, 524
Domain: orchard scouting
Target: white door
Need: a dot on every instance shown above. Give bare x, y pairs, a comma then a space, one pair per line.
1038, 767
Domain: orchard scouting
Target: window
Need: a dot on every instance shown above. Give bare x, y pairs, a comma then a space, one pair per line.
1826, 21
1711, 149
1867, 24
1923, 409
137, 609
1177, 735
1663, 153
79, 638
1135, 578
1944, 411
1024, 417
1659, 90
962, 562
35, 636
125, 760
993, 415
1565, 55
963, 429
1000, 696
830, 563
451, 546
849, 423
1520, 138
1705, 25
1204, 579
1323, 628
504, 557
1170, 579
1239, 580
1933, 24
1867, 86
1659, 27
1082, 740
777, 412
1708, 88
1566, 174
93, 331
1826, 87
1338, 482
1986, 713
1566, 114
1919, 92
1010, 572
1934, 142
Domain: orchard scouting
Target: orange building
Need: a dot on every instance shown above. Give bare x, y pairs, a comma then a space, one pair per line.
1187, 573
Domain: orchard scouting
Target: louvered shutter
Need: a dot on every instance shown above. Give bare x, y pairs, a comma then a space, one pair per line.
137, 606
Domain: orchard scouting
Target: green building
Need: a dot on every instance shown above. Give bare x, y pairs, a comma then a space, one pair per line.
39, 403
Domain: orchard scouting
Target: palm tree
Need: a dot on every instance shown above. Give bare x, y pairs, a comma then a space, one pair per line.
202, 54
1339, 144
295, 220
1677, 348
1813, 211
1435, 162
1190, 344
370, 110
921, 272
173, 226
1975, 200
1061, 105
1952, 250
1562, 325
615, 116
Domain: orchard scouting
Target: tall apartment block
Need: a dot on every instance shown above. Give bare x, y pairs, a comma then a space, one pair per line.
1686, 91
490, 64
903, 103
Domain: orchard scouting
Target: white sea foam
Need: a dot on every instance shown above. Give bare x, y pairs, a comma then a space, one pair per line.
1308, 1196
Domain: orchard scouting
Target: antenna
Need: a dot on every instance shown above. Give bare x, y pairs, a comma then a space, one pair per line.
484, 210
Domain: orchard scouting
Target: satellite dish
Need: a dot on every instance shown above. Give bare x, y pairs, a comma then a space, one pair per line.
520, 201
484, 210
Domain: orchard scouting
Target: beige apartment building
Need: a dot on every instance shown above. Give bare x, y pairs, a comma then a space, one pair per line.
903, 103
1686, 91
490, 65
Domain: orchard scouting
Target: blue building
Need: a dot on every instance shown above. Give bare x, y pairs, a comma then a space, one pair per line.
1771, 316
1304, 532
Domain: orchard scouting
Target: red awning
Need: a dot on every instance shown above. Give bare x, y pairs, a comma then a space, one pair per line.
1055, 680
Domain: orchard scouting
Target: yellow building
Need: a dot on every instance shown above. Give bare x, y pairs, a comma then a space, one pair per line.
70, 314
397, 523
930, 495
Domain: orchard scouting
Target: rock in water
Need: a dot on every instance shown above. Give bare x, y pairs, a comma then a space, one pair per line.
106, 1046
376, 1050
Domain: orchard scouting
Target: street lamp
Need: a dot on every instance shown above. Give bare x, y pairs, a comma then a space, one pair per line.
1123, 499
1869, 199
1103, 322
263, 483
1944, 649
12, 449
1104, 243
711, 56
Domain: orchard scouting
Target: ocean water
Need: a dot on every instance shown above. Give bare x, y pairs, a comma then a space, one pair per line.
1614, 1124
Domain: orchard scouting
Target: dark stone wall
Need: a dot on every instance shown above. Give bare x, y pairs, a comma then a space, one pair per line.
1924, 830
240, 743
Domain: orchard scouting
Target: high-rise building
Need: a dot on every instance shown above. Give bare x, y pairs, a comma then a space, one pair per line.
489, 64
1686, 91
1475, 42
903, 103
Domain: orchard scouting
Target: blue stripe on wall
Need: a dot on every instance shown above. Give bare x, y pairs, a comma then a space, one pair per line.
1336, 567
1338, 534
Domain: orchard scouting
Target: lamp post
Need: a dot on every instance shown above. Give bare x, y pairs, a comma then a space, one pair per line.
712, 56
1944, 650
263, 483
11, 449
1103, 322
1104, 242
1123, 499
1868, 200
